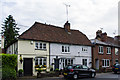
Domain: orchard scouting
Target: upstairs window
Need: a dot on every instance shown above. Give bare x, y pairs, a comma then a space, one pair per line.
84, 49
40, 45
65, 49
116, 51
108, 50
100, 50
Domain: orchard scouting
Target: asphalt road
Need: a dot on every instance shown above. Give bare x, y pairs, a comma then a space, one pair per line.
99, 76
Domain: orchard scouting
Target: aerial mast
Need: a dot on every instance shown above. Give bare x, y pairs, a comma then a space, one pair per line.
67, 10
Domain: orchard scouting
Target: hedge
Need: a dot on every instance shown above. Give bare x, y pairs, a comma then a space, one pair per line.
9, 60
9, 63
8, 73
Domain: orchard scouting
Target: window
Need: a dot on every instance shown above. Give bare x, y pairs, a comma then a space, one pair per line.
39, 45
101, 49
84, 49
65, 62
116, 51
108, 50
84, 61
40, 61
105, 63
65, 49
116, 61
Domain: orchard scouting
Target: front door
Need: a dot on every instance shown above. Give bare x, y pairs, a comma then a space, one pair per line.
56, 63
97, 63
28, 66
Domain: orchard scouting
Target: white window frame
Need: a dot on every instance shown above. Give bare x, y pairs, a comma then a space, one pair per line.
117, 61
100, 51
40, 47
42, 60
85, 62
65, 49
85, 49
63, 61
105, 63
108, 50
116, 51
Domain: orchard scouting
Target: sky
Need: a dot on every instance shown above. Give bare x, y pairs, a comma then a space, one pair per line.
87, 16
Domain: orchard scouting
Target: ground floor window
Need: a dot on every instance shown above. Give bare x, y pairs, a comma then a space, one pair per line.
66, 61
84, 62
105, 62
40, 61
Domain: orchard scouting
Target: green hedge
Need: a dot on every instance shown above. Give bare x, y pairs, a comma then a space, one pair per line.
9, 60
9, 63
8, 73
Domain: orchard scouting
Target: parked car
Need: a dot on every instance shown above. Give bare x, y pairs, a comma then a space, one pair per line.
116, 68
76, 70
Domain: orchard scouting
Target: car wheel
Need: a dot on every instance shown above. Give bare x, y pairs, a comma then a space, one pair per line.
75, 76
92, 75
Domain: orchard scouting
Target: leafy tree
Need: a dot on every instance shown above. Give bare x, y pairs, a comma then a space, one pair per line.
9, 30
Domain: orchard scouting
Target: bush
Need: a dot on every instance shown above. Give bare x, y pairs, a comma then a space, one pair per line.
20, 70
9, 60
9, 63
57, 69
8, 73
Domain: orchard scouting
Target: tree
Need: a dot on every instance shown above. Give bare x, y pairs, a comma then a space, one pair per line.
9, 30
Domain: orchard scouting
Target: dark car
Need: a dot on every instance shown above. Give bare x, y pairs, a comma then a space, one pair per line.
76, 70
116, 68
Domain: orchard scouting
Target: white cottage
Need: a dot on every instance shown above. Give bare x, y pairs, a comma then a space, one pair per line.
52, 46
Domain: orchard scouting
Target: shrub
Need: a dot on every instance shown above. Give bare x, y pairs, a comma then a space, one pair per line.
8, 73
20, 70
9, 60
9, 63
56, 69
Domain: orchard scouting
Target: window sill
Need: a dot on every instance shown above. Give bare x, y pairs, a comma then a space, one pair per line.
41, 49
100, 53
105, 66
65, 52
108, 53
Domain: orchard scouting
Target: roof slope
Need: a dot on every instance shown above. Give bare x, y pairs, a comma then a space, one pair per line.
52, 33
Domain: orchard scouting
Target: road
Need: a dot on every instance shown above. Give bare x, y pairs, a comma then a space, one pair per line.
99, 76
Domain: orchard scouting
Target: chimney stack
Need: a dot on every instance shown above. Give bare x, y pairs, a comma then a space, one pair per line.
67, 26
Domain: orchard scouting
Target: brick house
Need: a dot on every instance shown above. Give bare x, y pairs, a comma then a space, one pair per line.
105, 51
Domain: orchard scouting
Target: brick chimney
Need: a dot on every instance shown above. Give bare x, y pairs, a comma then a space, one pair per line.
98, 35
67, 26
104, 37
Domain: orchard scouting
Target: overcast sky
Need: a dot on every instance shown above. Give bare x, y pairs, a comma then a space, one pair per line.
87, 16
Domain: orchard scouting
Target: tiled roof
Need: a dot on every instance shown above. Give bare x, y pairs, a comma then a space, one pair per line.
50, 33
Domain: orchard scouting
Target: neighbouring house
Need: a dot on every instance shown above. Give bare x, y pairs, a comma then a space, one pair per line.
53, 46
105, 51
